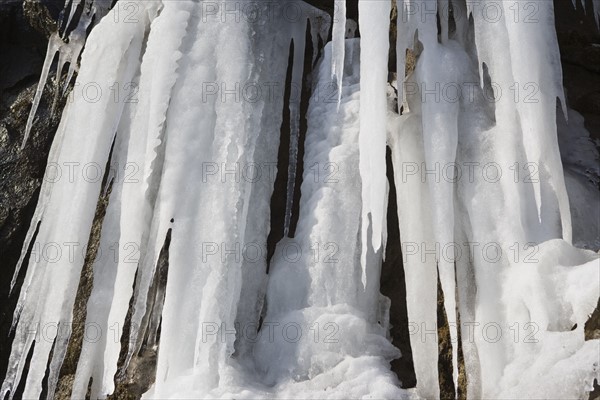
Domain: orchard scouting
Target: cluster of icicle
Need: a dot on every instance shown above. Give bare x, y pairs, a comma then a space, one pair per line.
170, 50
68, 45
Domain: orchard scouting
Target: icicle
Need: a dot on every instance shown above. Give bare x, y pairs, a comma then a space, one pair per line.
69, 52
443, 12
45, 194
158, 76
91, 357
71, 207
339, 37
440, 139
538, 116
298, 36
58, 356
374, 21
191, 140
402, 43
416, 225
319, 23
146, 274
146, 124
74, 5
75, 46
61, 63
54, 45
214, 286
461, 18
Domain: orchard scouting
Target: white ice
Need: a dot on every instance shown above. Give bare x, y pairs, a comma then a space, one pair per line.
195, 155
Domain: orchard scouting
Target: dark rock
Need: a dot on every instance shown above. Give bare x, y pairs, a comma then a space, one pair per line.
43, 15
579, 41
21, 174
22, 48
22, 52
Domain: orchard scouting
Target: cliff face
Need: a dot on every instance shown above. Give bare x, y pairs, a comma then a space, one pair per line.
24, 31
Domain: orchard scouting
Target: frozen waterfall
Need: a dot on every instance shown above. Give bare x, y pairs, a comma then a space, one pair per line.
180, 107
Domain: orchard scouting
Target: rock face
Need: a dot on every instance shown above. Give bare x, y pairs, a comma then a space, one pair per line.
24, 30
23, 39
579, 41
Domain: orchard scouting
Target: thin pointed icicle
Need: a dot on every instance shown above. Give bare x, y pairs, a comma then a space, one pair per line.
44, 197
54, 45
74, 5
299, 38
61, 63
338, 39
319, 23
58, 356
75, 46
374, 21
538, 77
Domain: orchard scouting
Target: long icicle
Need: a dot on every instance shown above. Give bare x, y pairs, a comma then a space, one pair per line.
374, 19
338, 39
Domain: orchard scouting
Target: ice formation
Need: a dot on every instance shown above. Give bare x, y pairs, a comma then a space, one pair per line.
482, 197
68, 46
338, 37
